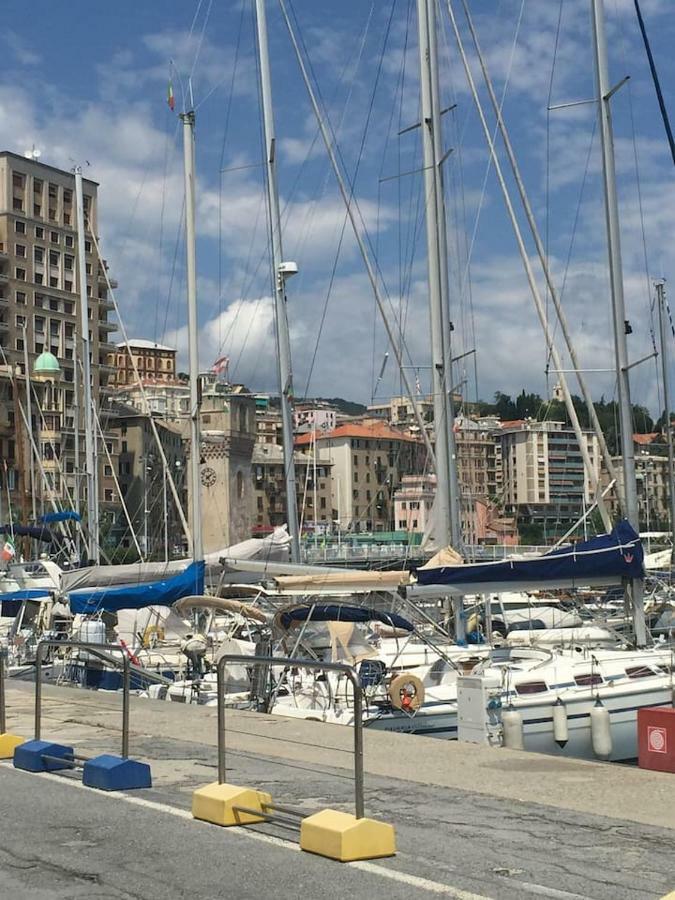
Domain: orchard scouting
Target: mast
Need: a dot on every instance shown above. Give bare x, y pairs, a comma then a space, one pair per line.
661, 298
89, 434
447, 513
604, 93
280, 272
29, 416
188, 120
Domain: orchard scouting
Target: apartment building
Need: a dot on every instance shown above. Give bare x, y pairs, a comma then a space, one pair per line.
39, 305
368, 460
545, 481
154, 363
149, 501
313, 490
653, 477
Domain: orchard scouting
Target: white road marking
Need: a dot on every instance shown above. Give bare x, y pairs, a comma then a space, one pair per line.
425, 884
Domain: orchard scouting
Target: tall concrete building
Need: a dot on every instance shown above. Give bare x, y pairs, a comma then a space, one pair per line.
39, 309
545, 482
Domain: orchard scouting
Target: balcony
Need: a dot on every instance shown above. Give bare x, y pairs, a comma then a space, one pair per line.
106, 303
107, 326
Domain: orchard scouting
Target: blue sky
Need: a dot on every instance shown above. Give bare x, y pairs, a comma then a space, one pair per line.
87, 81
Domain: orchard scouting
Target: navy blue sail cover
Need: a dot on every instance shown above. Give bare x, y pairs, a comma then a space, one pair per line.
136, 596
340, 612
616, 555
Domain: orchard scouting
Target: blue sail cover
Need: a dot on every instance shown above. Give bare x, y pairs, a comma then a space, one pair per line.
340, 612
136, 596
67, 515
606, 559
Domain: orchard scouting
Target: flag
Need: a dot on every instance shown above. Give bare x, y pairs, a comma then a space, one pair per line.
221, 365
7, 551
170, 99
418, 386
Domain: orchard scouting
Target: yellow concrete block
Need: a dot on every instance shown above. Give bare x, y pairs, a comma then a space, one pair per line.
341, 836
216, 803
8, 742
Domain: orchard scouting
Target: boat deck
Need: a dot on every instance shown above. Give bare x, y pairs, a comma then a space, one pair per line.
470, 821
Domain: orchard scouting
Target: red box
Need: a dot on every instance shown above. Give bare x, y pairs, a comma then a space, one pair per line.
656, 738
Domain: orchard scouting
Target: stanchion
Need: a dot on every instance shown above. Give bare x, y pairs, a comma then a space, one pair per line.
106, 772
8, 742
332, 833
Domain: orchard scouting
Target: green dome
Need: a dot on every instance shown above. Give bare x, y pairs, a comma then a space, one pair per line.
47, 365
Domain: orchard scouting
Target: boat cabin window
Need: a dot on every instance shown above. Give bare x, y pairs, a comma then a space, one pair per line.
666, 667
531, 687
527, 625
588, 679
639, 672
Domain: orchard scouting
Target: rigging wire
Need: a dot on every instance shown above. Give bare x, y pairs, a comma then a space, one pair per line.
547, 223
359, 159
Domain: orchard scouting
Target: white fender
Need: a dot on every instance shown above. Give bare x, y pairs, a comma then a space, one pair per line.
560, 727
512, 729
601, 730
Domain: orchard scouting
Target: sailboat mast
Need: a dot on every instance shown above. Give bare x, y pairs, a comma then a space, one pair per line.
280, 272
604, 92
188, 120
446, 507
661, 299
89, 433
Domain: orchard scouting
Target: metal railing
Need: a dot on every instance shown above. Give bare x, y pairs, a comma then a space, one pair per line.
102, 651
3, 719
284, 661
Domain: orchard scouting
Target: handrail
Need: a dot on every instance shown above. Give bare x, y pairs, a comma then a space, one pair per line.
350, 673
3, 719
95, 650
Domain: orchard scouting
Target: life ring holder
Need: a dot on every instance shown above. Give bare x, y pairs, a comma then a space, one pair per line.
406, 692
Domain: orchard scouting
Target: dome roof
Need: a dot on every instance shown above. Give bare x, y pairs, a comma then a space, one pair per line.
47, 365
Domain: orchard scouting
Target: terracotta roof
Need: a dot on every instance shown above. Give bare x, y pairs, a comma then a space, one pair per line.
512, 423
646, 438
374, 431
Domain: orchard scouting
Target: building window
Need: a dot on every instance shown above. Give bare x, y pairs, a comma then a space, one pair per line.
69, 241
54, 257
19, 343
87, 268
39, 232
20, 274
17, 204
20, 227
20, 250
54, 304
20, 297
20, 321
53, 281
38, 278
87, 246
68, 262
54, 237
38, 254
17, 179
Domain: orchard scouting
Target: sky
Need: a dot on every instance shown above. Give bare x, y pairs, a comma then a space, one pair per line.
87, 83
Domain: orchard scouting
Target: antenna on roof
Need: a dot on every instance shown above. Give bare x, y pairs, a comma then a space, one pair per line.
33, 153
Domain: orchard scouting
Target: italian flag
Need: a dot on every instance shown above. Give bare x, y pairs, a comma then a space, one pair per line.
170, 99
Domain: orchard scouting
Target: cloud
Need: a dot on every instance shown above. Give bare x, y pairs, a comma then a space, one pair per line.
24, 54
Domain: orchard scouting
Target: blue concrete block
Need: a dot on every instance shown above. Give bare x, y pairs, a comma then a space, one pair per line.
31, 756
114, 773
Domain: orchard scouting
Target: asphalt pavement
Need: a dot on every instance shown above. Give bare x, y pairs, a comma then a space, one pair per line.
462, 833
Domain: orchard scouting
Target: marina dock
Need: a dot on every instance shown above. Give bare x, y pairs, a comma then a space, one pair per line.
471, 821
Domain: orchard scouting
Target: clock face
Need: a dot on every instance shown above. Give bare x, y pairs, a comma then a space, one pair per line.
208, 476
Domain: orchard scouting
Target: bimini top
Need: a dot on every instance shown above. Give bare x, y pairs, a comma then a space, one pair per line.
338, 612
604, 560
